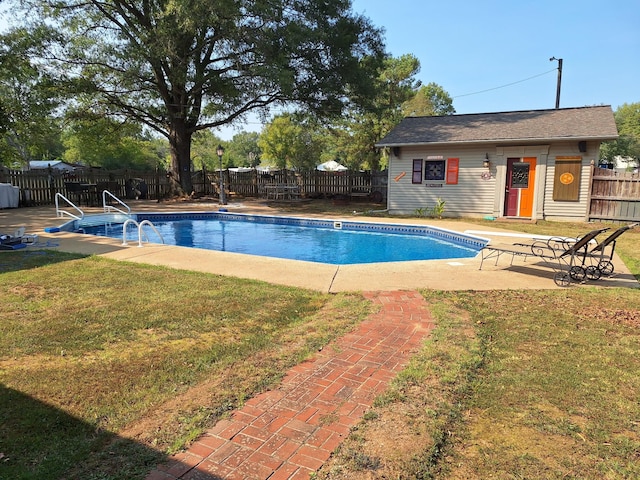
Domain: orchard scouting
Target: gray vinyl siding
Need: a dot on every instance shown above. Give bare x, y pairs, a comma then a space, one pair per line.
475, 196
471, 196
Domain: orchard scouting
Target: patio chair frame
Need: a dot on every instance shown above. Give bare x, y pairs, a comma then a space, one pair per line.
567, 257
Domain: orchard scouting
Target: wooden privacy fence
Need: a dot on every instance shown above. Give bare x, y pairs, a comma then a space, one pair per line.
615, 196
311, 184
39, 187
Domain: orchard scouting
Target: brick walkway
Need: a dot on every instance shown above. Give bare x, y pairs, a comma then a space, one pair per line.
290, 432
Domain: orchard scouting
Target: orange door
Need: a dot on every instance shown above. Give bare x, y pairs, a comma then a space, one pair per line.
527, 194
519, 188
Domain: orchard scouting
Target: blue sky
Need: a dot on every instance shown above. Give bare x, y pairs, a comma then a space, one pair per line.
468, 47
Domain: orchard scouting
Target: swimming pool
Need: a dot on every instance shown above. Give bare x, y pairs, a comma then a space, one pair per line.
335, 242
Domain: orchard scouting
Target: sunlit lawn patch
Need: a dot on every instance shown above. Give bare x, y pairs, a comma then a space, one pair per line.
99, 346
558, 395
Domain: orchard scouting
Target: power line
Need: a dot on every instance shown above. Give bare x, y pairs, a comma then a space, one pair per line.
507, 85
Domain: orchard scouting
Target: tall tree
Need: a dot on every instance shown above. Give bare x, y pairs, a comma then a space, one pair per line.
430, 99
243, 149
278, 141
204, 150
99, 141
394, 84
181, 66
627, 146
28, 101
292, 141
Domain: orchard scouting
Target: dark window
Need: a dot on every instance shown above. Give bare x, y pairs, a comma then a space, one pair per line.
434, 170
520, 175
417, 171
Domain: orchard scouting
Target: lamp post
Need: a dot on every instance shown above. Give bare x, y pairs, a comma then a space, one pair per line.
220, 152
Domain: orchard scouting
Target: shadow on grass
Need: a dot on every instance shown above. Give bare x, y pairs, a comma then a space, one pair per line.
24, 259
38, 441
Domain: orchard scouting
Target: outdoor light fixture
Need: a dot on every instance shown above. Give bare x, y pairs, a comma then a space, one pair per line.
486, 163
220, 152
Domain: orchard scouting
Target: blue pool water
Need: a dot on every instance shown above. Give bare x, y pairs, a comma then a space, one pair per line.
322, 241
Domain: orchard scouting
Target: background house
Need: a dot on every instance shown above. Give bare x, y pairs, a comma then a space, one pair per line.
56, 165
532, 164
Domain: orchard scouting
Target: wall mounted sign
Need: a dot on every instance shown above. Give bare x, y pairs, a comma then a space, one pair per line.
566, 179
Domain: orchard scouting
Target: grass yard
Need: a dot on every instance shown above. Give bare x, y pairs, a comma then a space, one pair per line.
513, 385
107, 366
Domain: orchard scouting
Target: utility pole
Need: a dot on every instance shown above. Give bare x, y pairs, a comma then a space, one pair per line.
559, 80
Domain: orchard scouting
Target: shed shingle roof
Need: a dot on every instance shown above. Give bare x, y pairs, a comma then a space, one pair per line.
584, 123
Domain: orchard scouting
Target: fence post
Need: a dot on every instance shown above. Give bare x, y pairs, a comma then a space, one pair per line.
205, 190
592, 166
157, 180
52, 187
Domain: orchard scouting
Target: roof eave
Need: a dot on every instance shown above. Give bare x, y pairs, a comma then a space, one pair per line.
600, 138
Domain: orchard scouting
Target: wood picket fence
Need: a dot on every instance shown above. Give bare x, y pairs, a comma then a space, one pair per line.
39, 187
615, 196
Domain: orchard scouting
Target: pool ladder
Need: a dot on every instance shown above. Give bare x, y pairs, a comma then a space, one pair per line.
140, 231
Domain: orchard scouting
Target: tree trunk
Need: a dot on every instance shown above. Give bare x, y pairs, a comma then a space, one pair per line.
180, 146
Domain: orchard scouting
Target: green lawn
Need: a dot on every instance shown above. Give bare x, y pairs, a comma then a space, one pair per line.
110, 364
513, 385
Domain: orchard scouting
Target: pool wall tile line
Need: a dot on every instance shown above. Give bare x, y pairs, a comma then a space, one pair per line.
421, 230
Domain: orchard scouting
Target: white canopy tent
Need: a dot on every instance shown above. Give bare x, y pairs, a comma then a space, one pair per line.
331, 166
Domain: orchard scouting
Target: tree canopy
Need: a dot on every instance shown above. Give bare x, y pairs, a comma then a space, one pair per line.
182, 66
356, 136
243, 150
430, 99
99, 141
28, 100
627, 146
288, 142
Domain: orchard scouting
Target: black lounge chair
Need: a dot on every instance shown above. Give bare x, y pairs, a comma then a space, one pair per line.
561, 254
599, 252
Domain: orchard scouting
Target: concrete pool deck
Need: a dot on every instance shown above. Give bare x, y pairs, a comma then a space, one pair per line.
458, 274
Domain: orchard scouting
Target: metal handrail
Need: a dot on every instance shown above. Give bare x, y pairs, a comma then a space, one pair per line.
61, 213
108, 208
153, 227
140, 231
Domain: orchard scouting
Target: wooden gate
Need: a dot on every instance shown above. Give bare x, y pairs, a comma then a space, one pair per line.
615, 196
